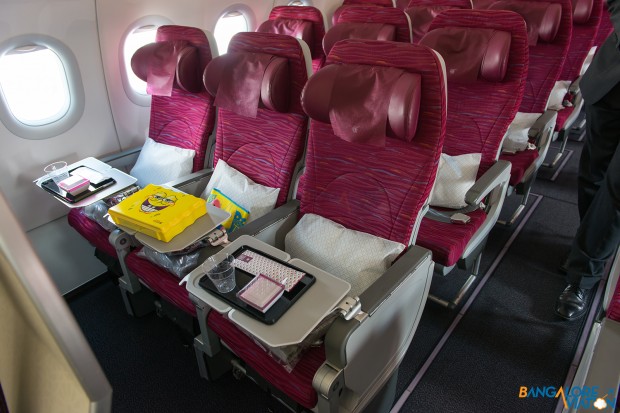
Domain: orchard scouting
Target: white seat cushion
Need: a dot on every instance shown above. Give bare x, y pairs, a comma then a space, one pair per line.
159, 163
455, 175
255, 198
556, 97
356, 257
516, 138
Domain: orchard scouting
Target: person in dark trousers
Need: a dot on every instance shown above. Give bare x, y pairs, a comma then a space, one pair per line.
598, 234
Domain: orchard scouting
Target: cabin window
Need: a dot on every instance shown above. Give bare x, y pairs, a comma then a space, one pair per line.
136, 39
34, 85
229, 24
297, 3
41, 91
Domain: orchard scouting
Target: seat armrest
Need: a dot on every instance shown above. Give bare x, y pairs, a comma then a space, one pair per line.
124, 158
544, 121
574, 89
270, 221
491, 179
193, 183
371, 299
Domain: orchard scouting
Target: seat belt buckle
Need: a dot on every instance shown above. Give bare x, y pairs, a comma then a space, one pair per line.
459, 218
218, 236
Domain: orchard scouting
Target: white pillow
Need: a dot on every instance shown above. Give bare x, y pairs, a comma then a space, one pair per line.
159, 163
556, 97
456, 174
356, 257
516, 138
255, 198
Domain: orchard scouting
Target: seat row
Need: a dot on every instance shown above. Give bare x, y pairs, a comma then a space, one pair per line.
367, 171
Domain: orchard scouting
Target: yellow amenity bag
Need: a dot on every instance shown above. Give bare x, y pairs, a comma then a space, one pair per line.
159, 212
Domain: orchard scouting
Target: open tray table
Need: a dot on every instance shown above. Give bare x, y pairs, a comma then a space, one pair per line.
303, 315
242, 278
117, 181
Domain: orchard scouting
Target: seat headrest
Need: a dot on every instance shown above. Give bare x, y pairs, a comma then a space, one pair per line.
367, 31
422, 16
582, 10
365, 104
301, 29
543, 19
470, 53
168, 64
243, 81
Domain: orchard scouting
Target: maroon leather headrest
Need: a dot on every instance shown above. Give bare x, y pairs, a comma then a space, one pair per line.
543, 19
245, 74
389, 102
422, 16
368, 31
471, 54
176, 59
301, 29
582, 10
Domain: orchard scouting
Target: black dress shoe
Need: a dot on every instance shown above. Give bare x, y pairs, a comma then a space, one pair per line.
571, 304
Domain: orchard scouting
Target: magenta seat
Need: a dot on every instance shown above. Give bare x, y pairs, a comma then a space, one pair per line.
184, 119
484, 99
349, 3
303, 22
370, 23
563, 115
422, 13
378, 188
266, 148
605, 26
549, 27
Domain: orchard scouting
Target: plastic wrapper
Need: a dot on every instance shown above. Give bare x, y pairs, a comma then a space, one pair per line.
178, 264
98, 212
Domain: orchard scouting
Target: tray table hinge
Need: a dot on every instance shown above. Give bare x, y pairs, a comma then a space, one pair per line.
349, 307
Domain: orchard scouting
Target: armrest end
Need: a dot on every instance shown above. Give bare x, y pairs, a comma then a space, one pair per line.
494, 176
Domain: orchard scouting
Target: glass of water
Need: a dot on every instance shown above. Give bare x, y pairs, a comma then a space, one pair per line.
220, 270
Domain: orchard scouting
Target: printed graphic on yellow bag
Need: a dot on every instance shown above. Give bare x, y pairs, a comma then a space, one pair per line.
159, 212
238, 214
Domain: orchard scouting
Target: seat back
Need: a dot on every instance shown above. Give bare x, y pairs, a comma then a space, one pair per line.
422, 12
369, 22
303, 22
182, 111
549, 26
261, 126
378, 123
348, 3
486, 57
586, 21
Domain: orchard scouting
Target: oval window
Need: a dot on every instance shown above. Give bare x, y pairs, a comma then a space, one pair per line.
227, 26
133, 41
34, 83
297, 3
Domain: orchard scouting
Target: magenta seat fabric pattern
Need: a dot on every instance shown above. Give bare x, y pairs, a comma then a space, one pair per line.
546, 61
520, 162
184, 119
385, 15
297, 384
313, 15
422, 12
582, 40
479, 114
160, 281
448, 241
352, 3
613, 311
376, 190
265, 148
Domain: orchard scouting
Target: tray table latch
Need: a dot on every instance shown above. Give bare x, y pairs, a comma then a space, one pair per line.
349, 307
